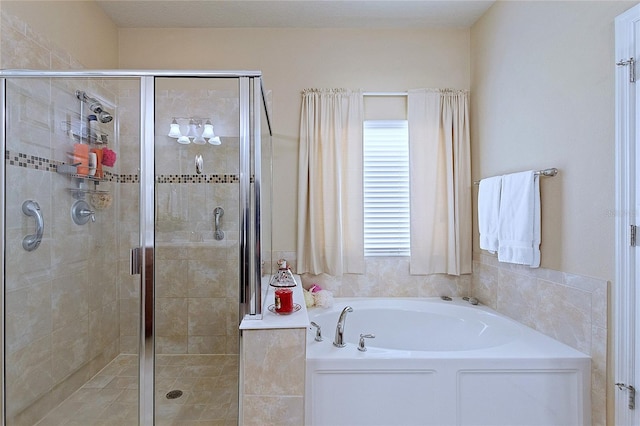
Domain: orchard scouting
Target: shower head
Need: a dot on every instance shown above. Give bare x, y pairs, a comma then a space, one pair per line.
95, 106
104, 117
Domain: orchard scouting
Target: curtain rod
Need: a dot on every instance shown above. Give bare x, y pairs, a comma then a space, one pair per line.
385, 93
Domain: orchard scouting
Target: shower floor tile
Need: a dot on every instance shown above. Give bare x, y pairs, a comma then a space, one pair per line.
209, 385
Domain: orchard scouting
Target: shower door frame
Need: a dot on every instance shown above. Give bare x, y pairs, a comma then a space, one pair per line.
250, 89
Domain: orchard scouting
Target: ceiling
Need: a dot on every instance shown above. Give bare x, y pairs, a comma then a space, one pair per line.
294, 13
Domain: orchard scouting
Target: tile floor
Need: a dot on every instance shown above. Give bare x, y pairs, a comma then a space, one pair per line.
209, 384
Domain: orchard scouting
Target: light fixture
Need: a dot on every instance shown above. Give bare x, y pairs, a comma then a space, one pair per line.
191, 129
174, 132
207, 133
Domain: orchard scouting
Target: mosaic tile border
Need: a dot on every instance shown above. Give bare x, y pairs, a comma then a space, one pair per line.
34, 162
20, 159
224, 178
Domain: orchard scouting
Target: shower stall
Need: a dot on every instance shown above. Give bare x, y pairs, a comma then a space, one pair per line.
136, 226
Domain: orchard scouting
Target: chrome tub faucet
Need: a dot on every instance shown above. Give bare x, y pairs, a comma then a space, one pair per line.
339, 341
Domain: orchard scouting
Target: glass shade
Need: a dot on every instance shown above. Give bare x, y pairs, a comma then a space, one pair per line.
199, 140
174, 131
193, 130
208, 130
215, 140
184, 140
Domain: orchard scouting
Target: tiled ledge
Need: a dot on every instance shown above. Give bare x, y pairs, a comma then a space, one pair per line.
271, 320
273, 356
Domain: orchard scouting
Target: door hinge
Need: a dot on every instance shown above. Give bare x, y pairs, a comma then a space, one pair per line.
633, 235
632, 68
632, 394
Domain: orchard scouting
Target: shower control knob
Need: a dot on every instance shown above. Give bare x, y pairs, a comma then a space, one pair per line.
81, 213
89, 213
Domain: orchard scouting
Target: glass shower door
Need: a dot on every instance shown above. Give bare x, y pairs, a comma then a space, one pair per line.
71, 215
197, 250
106, 217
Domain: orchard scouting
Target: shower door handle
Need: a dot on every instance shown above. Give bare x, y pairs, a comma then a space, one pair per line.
32, 241
135, 263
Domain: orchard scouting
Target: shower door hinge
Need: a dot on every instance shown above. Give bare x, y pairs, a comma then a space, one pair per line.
633, 235
135, 263
632, 394
632, 68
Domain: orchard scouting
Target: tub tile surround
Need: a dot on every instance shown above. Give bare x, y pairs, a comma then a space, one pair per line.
387, 277
570, 308
273, 360
274, 370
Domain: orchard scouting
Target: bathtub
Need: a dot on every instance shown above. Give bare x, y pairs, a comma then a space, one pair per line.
435, 362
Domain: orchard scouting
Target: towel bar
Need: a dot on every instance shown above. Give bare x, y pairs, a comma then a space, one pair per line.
546, 173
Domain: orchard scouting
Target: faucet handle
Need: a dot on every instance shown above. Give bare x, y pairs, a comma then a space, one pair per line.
471, 300
361, 346
90, 213
318, 332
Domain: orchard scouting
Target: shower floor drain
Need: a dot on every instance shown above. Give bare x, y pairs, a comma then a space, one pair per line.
174, 394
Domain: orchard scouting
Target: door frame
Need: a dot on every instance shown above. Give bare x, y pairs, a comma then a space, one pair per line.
3, 146
626, 175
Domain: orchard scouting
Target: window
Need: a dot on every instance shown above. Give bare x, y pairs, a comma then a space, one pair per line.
386, 188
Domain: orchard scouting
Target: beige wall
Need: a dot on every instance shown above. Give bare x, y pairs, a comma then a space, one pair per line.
294, 59
542, 83
80, 27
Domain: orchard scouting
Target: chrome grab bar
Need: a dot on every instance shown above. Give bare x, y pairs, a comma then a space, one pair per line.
218, 212
32, 241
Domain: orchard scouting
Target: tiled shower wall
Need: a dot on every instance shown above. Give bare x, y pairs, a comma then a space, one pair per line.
196, 276
197, 279
61, 299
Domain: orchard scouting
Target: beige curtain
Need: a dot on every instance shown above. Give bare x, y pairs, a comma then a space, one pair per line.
330, 210
440, 182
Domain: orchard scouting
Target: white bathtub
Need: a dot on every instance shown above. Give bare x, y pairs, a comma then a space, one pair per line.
435, 362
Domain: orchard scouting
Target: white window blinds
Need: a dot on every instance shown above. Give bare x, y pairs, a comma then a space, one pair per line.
386, 188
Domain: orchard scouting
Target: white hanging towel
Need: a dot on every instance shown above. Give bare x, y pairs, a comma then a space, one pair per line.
488, 212
519, 220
